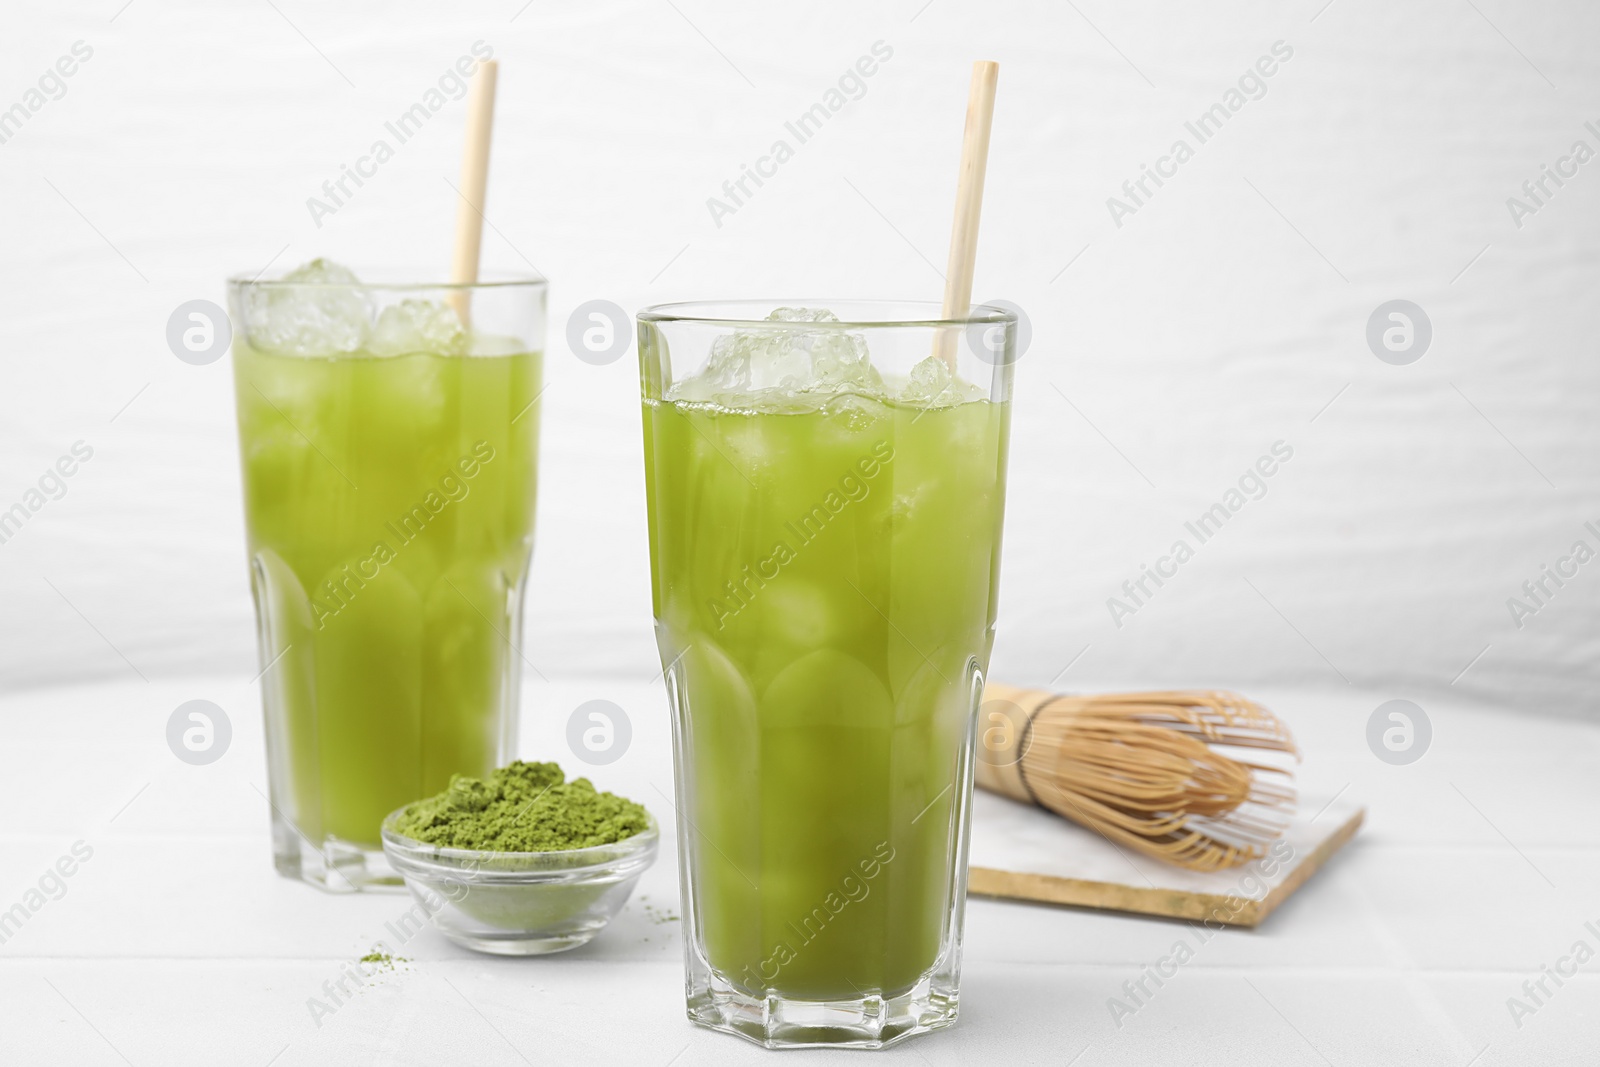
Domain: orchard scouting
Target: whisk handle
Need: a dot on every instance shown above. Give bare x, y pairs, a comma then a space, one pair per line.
1005, 725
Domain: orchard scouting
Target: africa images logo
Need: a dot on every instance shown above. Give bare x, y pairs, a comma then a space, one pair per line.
851, 86
805, 529
451, 85
338, 592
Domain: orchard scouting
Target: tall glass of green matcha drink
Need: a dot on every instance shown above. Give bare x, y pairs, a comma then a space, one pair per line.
825, 498
388, 435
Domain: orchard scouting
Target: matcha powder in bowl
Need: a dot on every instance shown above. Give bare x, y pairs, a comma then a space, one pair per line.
522, 807
523, 862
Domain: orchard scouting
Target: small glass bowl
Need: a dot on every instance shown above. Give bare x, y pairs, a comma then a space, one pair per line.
518, 903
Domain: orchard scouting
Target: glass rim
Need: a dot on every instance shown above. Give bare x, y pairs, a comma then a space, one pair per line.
486, 280
698, 311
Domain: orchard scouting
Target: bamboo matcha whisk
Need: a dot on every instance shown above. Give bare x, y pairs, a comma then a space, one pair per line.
1144, 769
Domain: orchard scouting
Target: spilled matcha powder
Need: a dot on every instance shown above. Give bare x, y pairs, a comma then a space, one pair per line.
379, 960
522, 807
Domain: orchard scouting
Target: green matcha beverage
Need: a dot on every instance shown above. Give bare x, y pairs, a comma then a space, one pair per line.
388, 437
825, 503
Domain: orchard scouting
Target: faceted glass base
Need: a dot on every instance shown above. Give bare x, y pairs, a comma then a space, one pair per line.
865, 1022
336, 867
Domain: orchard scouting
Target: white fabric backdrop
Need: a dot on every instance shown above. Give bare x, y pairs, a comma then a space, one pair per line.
1169, 353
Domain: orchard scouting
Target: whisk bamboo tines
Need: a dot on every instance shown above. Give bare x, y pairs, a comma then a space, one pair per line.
1144, 769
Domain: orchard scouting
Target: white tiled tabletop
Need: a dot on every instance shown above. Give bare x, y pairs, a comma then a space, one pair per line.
175, 943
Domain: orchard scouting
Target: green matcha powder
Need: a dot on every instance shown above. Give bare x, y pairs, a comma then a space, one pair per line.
522, 807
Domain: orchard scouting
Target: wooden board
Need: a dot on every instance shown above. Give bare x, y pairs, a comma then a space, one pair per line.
1022, 852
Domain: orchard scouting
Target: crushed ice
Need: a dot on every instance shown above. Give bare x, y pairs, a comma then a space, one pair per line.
319, 309
790, 367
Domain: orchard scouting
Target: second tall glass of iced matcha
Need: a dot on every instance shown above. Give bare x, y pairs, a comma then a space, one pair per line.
388, 435
825, 491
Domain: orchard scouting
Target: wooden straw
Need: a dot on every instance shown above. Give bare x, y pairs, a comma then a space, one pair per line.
969, 203
474, 189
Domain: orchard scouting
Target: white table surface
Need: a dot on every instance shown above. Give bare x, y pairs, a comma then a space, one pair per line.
177, 944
